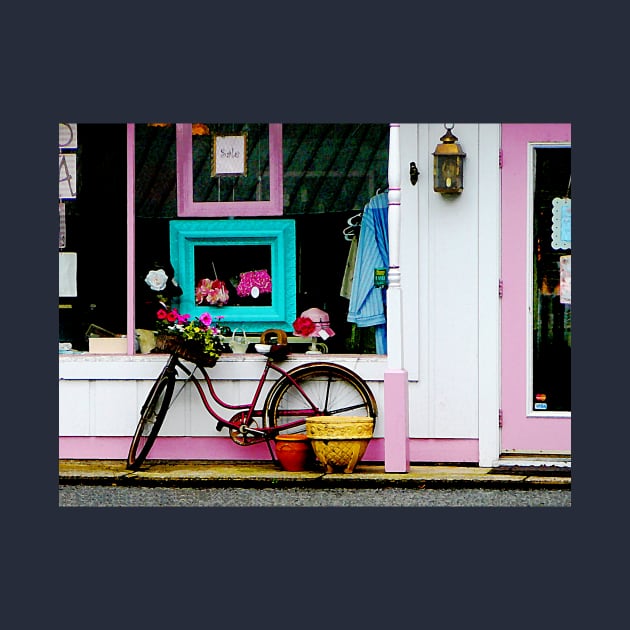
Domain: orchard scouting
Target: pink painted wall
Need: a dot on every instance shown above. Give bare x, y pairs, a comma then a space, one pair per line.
187, 448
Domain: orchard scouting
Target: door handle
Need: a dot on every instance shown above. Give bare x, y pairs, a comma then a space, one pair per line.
413, 173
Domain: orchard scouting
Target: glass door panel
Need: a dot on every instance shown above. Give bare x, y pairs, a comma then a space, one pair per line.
551, 299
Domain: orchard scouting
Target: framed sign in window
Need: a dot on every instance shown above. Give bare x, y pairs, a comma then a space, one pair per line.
241, 269
230, 171
229, 155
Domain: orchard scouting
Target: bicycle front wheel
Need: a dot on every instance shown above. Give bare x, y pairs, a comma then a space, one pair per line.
318, 389
151, 418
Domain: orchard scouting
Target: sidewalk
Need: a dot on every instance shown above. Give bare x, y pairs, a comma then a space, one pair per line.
266, 474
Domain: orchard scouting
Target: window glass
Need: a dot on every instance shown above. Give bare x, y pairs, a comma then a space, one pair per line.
331, 171
93, 226
552, 280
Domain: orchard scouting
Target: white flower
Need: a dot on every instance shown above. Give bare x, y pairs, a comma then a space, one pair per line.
157, 279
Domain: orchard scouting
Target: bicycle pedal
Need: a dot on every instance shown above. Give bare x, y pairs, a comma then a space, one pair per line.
220, 426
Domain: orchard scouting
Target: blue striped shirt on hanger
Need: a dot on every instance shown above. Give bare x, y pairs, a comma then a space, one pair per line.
367, 303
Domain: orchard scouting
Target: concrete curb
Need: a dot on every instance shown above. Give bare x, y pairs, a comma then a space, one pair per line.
266, 474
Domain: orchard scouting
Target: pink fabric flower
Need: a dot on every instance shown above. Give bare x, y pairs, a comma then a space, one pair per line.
212, 292
250, 279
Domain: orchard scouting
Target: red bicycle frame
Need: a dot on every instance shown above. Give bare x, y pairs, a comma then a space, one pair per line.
248, 410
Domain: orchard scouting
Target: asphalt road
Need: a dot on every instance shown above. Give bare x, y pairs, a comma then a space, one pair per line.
118, 496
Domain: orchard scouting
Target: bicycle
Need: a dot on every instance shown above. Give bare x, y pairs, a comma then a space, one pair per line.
317, 388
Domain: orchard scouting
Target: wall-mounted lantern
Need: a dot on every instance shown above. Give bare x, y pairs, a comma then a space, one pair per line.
448, 164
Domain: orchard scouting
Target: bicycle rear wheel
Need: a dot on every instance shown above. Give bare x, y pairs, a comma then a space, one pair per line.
328, 390
151, 417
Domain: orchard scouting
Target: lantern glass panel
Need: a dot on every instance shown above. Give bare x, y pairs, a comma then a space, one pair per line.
448, 173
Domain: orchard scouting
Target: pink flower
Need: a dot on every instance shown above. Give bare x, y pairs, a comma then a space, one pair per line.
183, 319
212, 292
206, 319
172, 316
202, 289
162, 314
254, 279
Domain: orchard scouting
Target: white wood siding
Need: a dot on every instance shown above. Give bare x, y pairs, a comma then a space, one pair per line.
101, 395
450, 271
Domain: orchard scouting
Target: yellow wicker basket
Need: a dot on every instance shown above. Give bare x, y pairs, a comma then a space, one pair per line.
339, 441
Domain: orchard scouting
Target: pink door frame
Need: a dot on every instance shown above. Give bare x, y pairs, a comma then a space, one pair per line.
522, 430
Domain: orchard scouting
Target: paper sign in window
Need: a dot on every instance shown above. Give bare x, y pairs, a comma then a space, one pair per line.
67, 176
67, 274
565, 279
68, 136
230, 155
561, 223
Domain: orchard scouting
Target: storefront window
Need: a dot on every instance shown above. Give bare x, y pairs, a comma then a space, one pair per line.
330, 172
92, 237
551, 312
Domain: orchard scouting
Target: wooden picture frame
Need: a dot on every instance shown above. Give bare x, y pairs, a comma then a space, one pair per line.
187, 207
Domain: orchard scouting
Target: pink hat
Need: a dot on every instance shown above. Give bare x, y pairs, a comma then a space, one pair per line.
322, 322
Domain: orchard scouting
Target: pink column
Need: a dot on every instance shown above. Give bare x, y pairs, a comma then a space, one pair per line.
396, 421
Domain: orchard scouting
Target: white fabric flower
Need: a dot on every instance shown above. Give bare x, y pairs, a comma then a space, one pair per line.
157, 279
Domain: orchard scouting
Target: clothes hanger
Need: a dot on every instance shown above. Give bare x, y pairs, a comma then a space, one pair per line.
355, 219
354, 222
349, 233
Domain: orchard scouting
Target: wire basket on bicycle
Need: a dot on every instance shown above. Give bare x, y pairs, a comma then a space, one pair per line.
198, 340
187, 349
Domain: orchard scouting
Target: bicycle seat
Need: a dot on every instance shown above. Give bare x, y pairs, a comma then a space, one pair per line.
273, 344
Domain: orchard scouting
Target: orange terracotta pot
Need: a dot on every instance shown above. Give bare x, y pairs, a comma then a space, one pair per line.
293, 451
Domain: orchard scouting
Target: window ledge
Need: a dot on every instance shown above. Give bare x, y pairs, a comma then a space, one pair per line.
87, 366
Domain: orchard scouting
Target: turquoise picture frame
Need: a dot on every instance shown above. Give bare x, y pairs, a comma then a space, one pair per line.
254, 235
